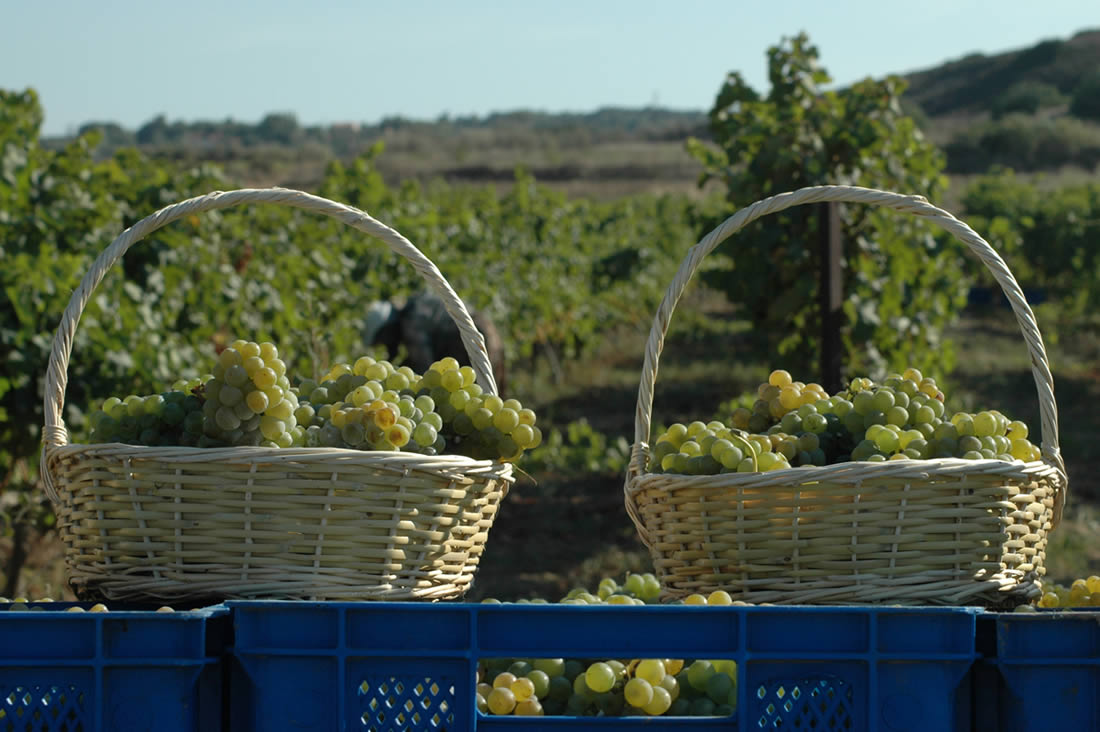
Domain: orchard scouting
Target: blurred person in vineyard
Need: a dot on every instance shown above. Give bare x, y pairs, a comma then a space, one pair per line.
428, 333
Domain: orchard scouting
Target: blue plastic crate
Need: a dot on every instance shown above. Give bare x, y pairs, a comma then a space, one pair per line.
1049, 667
397, 666
118, 671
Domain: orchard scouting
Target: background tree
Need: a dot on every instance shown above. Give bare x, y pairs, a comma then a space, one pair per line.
902, 281
1086, 98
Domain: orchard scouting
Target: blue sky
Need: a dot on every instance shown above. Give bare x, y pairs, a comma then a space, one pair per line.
331, 60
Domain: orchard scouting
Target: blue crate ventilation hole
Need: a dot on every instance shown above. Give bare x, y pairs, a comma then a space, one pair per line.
811, 704
389, 702
42, 709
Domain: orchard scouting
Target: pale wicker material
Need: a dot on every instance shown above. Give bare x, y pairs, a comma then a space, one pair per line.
192, 524
943, 531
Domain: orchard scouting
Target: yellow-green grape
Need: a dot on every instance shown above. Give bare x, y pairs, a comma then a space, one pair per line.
523, 688
634, 583
504, 680
599, 677
698, 673
541, 681
719, 597
552, 667
638, 692
99, 607
501, 700
725, 666
695, 599
529, 708
607, 588
660, 702
671, 685
481, 702
650, 669
651, 587
581, 687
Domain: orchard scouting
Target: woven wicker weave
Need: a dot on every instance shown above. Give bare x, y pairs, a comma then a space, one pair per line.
191, 524
942, 531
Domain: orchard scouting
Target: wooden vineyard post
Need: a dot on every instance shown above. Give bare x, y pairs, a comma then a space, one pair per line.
831, 292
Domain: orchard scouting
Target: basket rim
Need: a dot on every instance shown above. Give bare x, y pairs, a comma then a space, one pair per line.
911, 204
55, 435
854, 472
270, 455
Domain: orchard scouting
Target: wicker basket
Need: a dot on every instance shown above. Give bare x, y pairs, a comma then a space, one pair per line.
941, 531
188, 524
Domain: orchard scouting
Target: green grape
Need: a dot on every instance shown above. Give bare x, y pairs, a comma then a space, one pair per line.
699, 674
968, 443
985, 424
425, 434
964, 424
883, 399
718, 687
600, 677
815, 423
257, 401
702, 707
809, 442
886, 441
863, 402
506, 420
897, 416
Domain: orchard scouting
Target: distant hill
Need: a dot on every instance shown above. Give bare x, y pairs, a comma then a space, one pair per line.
973, 84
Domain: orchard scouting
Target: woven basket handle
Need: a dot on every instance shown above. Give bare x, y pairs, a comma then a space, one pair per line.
55, 434
916, 205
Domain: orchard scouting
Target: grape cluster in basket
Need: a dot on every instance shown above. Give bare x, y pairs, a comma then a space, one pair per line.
249, 400
1082, 592
793, 424
608, 686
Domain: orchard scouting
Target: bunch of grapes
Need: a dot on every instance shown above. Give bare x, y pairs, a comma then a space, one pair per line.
611, 687
1080, 593
171, 418
249, 400
792, 424
481, 426
370, 406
